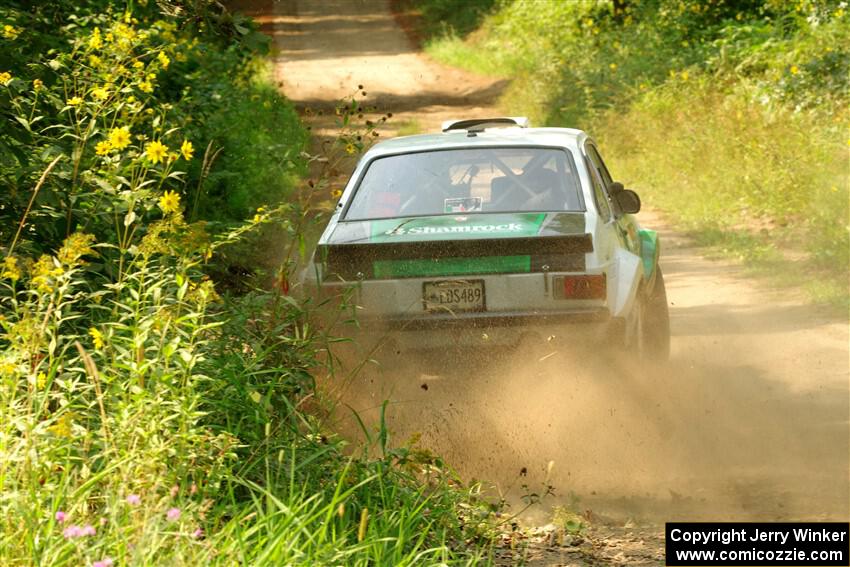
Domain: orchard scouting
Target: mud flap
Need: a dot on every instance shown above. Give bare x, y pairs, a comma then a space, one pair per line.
627, 277
649, 250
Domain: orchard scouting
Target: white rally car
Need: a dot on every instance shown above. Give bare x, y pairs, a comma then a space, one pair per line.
491, 231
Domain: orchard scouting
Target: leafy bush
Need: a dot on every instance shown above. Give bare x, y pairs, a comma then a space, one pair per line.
147, 420
450, 18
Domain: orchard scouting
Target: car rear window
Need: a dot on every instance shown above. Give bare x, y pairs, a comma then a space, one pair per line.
468, 181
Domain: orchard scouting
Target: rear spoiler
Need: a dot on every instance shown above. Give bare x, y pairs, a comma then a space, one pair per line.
479, 124
562, 253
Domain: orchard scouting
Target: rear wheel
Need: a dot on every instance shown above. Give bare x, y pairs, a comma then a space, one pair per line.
653, 332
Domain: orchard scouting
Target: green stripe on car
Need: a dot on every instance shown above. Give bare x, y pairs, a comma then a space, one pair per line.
441, 267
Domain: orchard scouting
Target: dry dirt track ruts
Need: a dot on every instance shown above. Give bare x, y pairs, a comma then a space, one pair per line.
749, 421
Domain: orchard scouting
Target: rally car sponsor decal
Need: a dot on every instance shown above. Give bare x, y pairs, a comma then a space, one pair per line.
456, 227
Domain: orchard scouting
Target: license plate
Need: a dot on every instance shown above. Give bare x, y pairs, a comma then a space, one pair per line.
453, 295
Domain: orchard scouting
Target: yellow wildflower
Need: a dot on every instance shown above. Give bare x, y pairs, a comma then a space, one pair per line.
96, 337
10, 32
794, 69
5, 78
74, 101
138, 64
95, 41
62, 427
8, 368
75, 247
37, 84
258, 218
11, 269
100, 93
124, 31
119, 138
146, 87
169, 202
43, 271
684, 75
131, 99
94, 61
41, 380
613, 66
350, 149
103, 148
156, 151
163, 59
109, 37
187, 149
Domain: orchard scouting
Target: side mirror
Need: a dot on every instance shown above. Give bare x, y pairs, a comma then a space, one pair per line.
628, 200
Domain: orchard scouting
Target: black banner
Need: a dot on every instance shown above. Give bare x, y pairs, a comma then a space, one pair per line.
754, 543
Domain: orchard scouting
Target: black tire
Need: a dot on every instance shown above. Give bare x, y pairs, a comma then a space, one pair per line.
655, 326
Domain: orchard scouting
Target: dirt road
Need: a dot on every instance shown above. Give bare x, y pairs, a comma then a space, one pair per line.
750, 420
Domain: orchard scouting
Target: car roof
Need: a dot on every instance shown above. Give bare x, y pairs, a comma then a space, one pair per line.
513, 136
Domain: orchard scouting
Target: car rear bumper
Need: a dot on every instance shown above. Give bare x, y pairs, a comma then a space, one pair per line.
584, 325
477, 320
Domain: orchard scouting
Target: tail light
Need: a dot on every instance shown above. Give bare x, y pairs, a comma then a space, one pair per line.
579, 287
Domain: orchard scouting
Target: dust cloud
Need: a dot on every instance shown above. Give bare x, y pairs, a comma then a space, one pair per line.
679, 440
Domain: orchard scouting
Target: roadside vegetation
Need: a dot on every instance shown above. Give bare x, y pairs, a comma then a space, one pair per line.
149, 417
733, 118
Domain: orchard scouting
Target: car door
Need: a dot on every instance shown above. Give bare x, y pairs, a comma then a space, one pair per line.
624, 224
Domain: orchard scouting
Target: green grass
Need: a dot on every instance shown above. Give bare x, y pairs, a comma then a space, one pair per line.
751, 193
408, 127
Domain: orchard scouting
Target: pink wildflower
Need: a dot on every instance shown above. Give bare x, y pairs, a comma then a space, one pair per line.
175, 490
60, 516
72, 531
105, 562
173, 514
197, 533
133, 499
